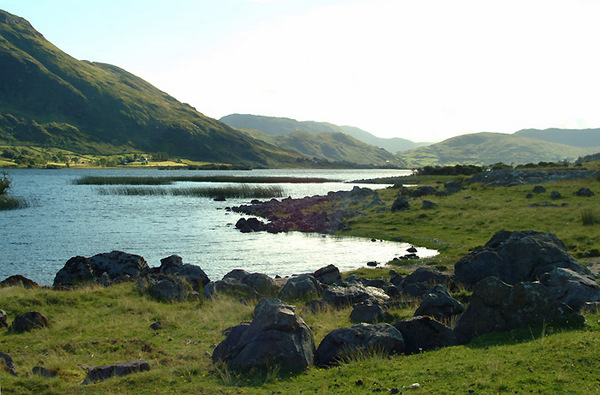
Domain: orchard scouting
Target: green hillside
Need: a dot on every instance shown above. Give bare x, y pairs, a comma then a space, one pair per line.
575, 137
49, 98
337, 147
287, 126
489, 148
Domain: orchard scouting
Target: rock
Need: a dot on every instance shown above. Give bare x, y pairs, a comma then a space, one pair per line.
264, 285
77, 270
421, 280
316, 305
353, 294
372, 264
555, 195
250, 225
18, 281
453, 186
166, 287
193, 275
118, 264
9, 363
368, 312
411, 249
3, 319
585, 192
301, 287
539, 189
342, 343
275, 337
157, 325
240, 283
423, 334
400, 204
171, 264
571, 288
497, 306
422, 191
515, 257
28, 321
439, 304
42, 371
219, 198
329, 275
99, 373
229, 286
427, 205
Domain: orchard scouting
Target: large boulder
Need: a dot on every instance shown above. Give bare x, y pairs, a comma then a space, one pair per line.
192, 274
342, 343
368, 312
166, 287
423, 334
304, 286
28, 321
571, 287
497, 306
329, 275
515, 257
353, 294
117, 264
421, 280
439, 304
18, 281
77, 270
239, 282
275, 337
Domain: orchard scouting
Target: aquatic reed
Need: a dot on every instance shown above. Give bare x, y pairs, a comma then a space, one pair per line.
236, 191
97, 180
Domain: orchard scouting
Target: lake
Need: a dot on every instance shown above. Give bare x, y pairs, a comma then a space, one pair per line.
66, 220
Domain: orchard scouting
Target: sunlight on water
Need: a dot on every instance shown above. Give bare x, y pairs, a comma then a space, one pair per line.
67, 220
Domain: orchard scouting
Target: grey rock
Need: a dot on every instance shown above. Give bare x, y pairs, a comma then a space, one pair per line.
77, 270
18, 281
3, 319
229, 286
555, 195
353, 294
427, 205
316, 305
301, 287
584, 192
344, 342
400, 204
539, 189
275, 337
28, 321
329, 275
515, 257
439, 304
99, 373
368, 312
117, 264
421, 280
167, 288
496, 306
424, 333
9, 363
171, 264
42, 371
571, 287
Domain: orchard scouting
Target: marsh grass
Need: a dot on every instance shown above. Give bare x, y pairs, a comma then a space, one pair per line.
236, 191
97, 180
12, 203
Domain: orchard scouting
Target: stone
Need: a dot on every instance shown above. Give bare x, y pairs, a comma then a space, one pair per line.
229, 286
571, 287
250, 225
422, 191
9, 363
303, 286
117, 264
264, 285
18, 281
43, 372
555, 195
400, 204
439, 304
356, 293
516, 257
421, 280
99, 373
427, 205
275, 337
342, 343
167, 288
243, 284
496, 306
316, 305
584, 192
171, 264
329, 275
28, 321
193, 275
453, 186
368, 312
77, 270
539, 189
3, 319
424, 334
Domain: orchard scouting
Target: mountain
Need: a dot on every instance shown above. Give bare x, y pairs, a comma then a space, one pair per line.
330, 146
286, 126
490, 148
49, 98
575, 137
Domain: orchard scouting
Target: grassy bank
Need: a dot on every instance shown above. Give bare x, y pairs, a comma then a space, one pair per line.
97, 326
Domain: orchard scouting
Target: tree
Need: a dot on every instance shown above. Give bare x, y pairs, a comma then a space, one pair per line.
4, 184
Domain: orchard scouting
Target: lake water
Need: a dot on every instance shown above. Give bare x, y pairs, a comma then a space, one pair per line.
67, 220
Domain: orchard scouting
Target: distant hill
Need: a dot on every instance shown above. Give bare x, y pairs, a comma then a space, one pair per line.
489, 148
575, 137
286, 126
49, 98
338, 147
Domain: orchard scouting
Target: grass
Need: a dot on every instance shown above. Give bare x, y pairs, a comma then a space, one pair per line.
97, 180
12, 203
237, 191
97, 325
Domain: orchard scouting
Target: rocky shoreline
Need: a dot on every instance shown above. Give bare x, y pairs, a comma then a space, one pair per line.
517, 278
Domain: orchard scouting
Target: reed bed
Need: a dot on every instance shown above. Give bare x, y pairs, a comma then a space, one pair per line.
98, 180
237, 191
12, 203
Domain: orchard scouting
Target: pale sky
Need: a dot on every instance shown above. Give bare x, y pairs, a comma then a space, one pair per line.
424, 70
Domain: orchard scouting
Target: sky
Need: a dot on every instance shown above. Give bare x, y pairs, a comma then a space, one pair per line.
424, 70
